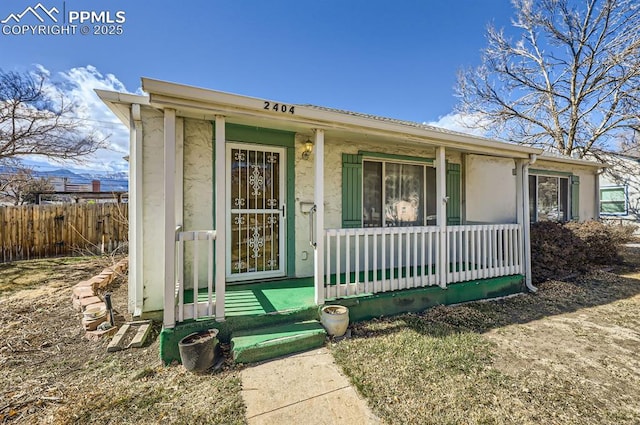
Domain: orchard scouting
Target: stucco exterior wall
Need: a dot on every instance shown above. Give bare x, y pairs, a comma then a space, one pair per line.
304, 190
198, 191
153, 209
490, 189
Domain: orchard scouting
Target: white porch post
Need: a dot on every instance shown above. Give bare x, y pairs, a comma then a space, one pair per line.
441, 213
136, 284
520, 163
179, 181
526, 224
220, 216
319, 251
169, 217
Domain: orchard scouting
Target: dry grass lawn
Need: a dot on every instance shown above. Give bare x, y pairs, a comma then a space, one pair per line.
52, 374
566, 355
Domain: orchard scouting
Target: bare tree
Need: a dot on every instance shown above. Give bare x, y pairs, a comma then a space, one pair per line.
36, 119
18, 184
570, 83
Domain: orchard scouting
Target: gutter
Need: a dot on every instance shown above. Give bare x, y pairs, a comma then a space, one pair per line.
526, 231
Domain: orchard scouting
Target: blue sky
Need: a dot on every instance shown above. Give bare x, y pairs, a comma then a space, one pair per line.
396, 59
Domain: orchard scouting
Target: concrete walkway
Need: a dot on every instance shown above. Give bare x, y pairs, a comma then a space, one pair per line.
305, 388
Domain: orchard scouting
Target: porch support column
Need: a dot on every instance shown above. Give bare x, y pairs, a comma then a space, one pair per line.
526, 223
169, 217
220, 216
520, 212
179, 181
441, 213
318, 197
136, 284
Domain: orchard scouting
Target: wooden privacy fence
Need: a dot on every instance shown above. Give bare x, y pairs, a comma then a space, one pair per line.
36, 231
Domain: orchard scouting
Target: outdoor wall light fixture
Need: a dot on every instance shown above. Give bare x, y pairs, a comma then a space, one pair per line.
308, 148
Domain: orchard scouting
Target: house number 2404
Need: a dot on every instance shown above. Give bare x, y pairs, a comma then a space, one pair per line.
279, 107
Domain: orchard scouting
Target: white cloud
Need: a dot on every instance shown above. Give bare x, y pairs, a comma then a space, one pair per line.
461, 123
77, 85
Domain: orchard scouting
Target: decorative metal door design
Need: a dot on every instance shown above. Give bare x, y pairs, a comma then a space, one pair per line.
256, 212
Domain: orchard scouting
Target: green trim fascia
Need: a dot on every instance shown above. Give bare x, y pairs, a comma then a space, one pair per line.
419, 299
538, 171
391, 156
260, 135
270, 137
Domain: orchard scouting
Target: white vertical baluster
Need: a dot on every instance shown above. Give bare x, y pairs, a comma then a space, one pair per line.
196, 263
472, 252
375, 261
210, 305
347, 267
180, 277
415, 259
467, 260
338, 263
392, 260
383, 255
357, 267
366, 262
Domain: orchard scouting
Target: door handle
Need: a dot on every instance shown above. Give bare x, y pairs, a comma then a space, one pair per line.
284, 211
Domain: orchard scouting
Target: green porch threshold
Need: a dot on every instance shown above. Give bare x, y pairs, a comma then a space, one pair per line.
267, 343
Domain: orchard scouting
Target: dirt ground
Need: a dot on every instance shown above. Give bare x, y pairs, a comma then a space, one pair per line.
568, 354
52, 374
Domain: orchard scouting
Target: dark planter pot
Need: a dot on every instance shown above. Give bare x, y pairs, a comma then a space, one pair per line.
197, 350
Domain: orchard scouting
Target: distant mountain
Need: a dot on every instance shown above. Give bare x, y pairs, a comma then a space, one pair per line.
107, 176
111, 182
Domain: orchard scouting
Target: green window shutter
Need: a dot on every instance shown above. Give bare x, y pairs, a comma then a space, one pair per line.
575, 198
454, 190
351, 190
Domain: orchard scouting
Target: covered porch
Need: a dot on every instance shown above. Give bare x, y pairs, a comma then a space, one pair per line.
347, 262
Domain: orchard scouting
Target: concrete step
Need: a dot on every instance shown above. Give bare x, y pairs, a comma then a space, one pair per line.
267, 343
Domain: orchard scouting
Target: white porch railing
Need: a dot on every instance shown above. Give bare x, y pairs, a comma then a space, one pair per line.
373, 260
483, 251
201, 266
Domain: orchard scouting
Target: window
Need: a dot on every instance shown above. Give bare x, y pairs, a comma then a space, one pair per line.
398, 194
613, 200
549, 198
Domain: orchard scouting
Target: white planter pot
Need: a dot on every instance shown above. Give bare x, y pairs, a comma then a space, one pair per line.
335, 319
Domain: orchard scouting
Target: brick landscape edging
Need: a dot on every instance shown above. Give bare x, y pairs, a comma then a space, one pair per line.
85, 297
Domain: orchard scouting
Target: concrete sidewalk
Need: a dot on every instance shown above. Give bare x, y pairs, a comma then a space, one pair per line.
304, 388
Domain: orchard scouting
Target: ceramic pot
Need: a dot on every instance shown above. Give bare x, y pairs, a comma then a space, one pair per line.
335, 319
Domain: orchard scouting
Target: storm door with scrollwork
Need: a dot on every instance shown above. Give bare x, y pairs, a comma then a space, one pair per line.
256, 212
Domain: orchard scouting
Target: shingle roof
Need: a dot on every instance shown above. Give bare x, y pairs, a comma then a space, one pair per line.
400, 122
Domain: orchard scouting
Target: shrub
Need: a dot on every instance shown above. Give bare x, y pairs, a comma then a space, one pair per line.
555, 251
559, 250
601, 242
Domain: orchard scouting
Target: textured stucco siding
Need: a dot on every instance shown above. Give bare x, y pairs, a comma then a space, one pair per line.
490, 189
198, 192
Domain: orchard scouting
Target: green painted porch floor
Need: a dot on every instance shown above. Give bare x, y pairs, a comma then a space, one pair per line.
260, 298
